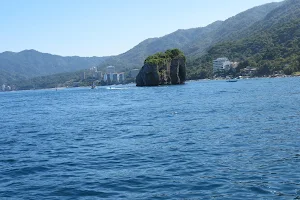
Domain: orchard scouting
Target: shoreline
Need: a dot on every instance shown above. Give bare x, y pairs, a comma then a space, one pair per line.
190, 80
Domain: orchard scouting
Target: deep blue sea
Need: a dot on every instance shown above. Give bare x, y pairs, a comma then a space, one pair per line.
201, 140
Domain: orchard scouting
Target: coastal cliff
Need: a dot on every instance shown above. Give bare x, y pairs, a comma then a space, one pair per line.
167, 68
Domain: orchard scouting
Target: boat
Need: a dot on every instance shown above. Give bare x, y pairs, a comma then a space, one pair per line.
231, 80
93, 85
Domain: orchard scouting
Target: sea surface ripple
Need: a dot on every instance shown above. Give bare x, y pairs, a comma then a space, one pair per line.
201, 140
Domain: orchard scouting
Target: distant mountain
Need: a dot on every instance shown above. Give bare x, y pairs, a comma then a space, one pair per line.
31, 63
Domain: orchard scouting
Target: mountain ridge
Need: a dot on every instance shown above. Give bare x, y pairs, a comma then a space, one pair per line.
194, 42
32, 63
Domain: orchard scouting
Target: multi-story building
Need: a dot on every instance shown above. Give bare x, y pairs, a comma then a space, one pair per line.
110, 76
121, 77
105, 77
115, 78
221, 64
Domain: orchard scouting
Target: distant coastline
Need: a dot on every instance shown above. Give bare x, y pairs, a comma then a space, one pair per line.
133, 83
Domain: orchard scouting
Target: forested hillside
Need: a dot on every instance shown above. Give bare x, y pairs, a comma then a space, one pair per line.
274, 45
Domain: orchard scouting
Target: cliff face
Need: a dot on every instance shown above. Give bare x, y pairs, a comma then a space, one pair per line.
163, 69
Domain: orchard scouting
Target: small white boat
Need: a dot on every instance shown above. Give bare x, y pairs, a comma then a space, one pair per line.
93, 85
231, 80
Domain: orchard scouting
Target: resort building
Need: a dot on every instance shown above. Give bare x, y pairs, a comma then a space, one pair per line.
221, 64
110, 76
105, 77
115, 78
121, 77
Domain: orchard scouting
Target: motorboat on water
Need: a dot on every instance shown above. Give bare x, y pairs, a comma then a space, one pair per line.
232, 80
93, 85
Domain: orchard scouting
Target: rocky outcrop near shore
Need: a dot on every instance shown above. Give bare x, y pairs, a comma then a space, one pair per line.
167, 68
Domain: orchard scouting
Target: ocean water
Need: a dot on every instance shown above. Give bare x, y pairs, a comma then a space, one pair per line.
201, 140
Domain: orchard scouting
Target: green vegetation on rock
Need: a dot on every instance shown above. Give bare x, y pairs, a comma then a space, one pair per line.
163, 69
162, 58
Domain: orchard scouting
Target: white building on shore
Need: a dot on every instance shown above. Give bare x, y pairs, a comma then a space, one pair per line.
105, 77
221, 64
111, 76
121, 77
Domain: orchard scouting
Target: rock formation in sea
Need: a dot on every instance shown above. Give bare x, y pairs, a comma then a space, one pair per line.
167, 68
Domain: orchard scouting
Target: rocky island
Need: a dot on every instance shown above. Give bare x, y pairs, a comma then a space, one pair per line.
167, 68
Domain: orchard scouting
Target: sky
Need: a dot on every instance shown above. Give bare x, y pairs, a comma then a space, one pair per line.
104, 27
